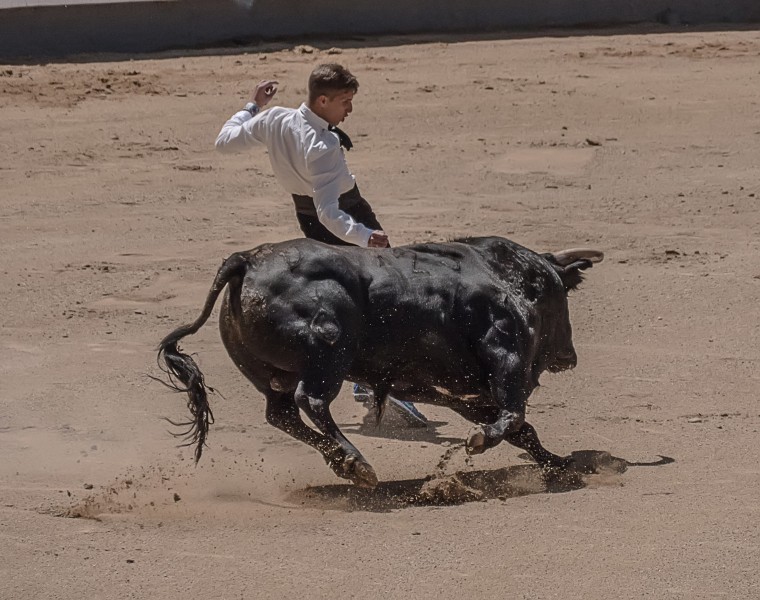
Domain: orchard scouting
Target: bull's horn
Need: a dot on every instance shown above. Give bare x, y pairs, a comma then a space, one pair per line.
566, 257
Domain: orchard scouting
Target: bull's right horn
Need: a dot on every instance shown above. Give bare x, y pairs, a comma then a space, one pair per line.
567, 257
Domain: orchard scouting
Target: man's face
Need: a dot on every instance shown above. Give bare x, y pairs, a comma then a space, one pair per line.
336, 109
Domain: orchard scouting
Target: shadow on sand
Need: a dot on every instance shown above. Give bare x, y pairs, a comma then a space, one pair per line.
472, 486
393, 428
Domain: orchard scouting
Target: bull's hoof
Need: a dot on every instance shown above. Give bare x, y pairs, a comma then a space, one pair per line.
364, 476
357, 470
476, 442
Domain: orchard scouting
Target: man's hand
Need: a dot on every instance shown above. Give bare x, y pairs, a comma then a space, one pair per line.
264, 92
378, 239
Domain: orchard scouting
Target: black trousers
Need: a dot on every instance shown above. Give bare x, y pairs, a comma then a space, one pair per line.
350, 203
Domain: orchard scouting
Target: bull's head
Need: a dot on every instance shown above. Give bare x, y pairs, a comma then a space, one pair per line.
568, 264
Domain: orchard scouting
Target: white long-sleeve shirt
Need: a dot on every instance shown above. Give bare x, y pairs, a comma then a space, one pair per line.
306, 158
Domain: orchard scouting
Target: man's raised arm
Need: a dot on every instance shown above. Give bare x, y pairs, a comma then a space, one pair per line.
240, 131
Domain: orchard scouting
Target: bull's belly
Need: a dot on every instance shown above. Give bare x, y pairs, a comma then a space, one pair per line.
438, 394
418, 376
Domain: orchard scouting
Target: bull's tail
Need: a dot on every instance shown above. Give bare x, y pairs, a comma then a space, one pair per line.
181, 367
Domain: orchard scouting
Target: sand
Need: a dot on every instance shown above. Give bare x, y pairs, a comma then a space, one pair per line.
116, 211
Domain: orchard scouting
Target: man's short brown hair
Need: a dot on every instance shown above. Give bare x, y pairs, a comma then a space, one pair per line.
330, 79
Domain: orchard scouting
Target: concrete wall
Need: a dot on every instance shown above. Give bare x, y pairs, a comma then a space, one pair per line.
54, 31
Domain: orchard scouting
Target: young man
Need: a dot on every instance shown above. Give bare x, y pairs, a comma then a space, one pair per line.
306, 153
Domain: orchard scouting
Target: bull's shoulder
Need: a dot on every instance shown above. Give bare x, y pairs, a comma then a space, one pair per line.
527, 278
514, 263
495, 246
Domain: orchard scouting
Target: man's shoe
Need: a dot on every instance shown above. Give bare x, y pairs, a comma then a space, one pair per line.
408, 412
362, 394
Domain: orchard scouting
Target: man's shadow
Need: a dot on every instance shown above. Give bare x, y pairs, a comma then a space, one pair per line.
472, 486
391, 430
393, 427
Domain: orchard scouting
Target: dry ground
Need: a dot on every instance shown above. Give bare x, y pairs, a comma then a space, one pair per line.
115, 212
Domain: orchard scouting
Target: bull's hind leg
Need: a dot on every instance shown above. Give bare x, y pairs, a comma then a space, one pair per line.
314, 396
282, 413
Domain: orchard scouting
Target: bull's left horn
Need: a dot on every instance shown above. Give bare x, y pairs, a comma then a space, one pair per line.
567, 257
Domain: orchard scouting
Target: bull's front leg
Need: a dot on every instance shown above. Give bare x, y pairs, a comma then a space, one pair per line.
526, 438
509, 389
313, 397
510, 383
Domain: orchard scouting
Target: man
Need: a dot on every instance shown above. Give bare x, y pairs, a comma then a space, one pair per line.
306, 153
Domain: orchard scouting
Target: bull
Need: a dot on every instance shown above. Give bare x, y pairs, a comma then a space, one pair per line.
469, 324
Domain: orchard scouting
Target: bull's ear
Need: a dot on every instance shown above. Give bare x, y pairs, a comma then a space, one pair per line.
580, 265
569, 263
571, 275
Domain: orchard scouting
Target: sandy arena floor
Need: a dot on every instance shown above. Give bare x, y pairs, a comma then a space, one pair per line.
116, 211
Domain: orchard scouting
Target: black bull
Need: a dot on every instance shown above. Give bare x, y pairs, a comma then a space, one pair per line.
469, 324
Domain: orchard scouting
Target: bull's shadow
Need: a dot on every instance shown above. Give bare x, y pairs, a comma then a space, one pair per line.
471, 486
